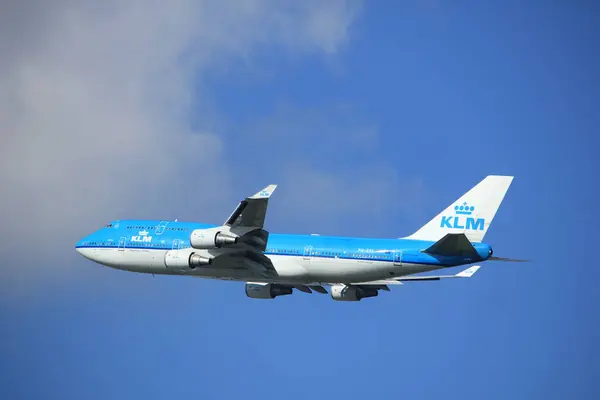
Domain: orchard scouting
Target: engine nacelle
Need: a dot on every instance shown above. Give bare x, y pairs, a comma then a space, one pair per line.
351, 293
266, 290
184, 259
211, 238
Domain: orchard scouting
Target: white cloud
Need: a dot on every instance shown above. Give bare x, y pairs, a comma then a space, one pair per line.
96, 99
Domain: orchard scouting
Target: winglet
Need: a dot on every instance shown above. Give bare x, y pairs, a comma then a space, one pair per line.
265, 193
467, 273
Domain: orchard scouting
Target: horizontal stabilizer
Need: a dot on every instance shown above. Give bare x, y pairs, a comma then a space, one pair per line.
494, 258
453, 244
467, 273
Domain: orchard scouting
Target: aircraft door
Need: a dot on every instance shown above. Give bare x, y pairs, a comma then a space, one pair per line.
397, 257
307, 253
177, 244
160, 228
122, 243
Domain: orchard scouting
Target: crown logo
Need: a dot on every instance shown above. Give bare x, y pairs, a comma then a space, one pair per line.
143, 233
464, 209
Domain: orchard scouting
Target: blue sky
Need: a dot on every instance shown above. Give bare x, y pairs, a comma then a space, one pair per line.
370, 131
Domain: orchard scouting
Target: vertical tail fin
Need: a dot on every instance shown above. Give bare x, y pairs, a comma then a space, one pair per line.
471, 214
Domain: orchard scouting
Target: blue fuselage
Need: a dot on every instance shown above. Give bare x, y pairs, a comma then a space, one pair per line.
165, 235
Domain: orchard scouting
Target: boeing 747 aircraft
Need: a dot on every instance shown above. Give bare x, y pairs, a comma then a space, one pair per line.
275, 264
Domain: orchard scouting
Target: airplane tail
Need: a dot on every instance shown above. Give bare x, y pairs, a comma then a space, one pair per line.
471, 214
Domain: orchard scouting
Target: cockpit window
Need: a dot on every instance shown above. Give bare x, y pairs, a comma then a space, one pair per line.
108, 226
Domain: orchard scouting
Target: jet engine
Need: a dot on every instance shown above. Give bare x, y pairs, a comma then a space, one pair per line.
178, 259
211, 238
266, 290
351, 293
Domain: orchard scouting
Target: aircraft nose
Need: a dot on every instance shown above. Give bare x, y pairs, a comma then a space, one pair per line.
82, 247
79, 245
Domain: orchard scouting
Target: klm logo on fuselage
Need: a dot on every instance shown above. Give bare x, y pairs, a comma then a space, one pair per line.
463, 219
142, 237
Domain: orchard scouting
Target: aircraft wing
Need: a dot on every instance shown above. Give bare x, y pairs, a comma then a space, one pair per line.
268, 271
251, 211
379, 285
242, 236
467, 273
248, 259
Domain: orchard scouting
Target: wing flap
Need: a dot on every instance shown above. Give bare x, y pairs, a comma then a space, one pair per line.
318, 288
246, 258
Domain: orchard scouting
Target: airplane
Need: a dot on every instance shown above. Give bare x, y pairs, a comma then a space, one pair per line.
273, 265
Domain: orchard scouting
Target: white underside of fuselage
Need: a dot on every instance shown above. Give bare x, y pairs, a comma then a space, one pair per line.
290, 269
